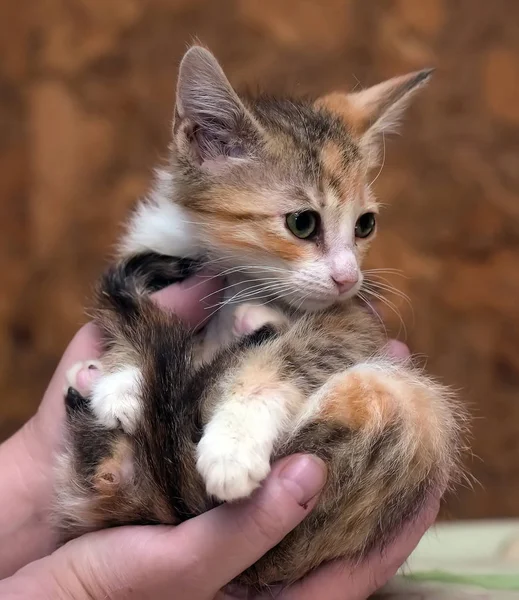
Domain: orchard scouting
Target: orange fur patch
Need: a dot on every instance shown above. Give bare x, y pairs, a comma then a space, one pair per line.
267, 241
259, 377
359, 400
332, 159
349, 178
285, 249
234, 204
110, 472
242, 219
337, 103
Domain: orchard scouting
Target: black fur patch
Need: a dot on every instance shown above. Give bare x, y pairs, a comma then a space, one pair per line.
256, 338
74, 401
159, 270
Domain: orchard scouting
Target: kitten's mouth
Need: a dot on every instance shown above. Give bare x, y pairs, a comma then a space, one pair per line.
315, 303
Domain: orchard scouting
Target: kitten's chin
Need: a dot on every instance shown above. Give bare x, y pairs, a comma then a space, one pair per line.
316, 304
311, 304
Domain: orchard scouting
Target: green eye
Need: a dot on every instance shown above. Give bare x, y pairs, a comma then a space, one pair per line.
365, 225
305, 224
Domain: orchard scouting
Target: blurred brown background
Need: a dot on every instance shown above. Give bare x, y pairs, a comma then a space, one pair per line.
86, 95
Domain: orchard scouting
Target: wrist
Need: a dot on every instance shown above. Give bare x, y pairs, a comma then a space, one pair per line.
25, 497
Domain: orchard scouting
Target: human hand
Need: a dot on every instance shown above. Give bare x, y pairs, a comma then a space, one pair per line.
192, 561
199, 557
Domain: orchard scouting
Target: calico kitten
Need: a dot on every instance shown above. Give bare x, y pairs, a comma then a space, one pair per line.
273, 194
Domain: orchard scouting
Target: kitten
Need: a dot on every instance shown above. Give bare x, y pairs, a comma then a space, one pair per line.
273, 194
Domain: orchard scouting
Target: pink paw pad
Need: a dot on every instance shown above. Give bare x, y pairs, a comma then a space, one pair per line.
245, 324
249, 318
83, 375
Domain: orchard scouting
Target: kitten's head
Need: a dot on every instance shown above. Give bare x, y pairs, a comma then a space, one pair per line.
278, 189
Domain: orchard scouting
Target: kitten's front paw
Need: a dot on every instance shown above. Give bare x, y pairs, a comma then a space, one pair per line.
249, 317
231, 470
116, 399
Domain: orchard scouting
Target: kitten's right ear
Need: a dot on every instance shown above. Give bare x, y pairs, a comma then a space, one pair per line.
212, 125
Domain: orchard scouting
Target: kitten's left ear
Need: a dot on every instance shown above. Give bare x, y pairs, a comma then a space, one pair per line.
375, 111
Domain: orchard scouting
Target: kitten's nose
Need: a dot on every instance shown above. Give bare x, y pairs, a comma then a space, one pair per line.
345, 285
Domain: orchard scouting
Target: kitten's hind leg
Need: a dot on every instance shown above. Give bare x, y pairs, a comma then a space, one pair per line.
375, 398
255, 408
114, 396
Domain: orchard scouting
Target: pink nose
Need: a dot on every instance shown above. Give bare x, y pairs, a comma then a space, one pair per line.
344, 285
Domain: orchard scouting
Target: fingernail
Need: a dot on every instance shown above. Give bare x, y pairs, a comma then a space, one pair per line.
304, 477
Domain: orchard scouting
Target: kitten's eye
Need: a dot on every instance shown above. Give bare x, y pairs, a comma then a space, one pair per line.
304, 225
365, 225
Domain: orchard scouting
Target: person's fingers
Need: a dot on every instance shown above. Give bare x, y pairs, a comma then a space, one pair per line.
191, 299
200, 556
221, 543
247, 530
84, 346
397, 349
345, 581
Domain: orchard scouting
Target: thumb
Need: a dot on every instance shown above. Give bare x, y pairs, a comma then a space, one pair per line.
238, 534
199, 557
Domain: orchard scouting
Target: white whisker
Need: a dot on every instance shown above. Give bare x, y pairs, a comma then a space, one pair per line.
375, 286
273, 287
387, 287
392, 307
375, 312
266, 291
262, 281
383, 160
398, 272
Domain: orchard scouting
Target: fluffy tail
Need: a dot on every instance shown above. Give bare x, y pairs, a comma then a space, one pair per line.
122, 295
134, 326
124, 283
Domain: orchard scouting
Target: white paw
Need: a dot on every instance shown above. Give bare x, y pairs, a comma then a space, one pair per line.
82, 376
231, 469
248, 318
116, 399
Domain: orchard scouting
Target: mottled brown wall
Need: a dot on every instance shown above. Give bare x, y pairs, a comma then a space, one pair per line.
86, 90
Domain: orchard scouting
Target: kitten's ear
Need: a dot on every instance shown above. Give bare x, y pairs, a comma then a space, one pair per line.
211, 123
375, 111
